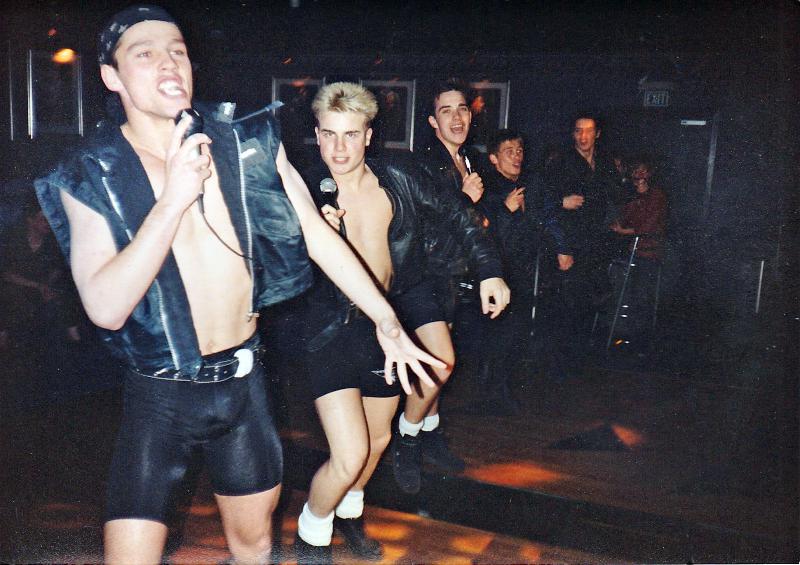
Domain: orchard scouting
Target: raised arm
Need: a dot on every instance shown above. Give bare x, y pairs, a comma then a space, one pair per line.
340, 264
112, 283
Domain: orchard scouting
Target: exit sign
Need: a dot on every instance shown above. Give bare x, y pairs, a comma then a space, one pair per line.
656, 98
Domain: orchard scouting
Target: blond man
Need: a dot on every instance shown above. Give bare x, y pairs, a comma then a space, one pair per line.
381, 208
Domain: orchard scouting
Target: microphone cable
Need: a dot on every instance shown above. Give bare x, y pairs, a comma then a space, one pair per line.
213, 231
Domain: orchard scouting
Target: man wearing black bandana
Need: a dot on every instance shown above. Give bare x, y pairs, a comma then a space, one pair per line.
174, 246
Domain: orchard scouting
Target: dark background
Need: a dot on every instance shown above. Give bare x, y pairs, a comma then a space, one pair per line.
733, 65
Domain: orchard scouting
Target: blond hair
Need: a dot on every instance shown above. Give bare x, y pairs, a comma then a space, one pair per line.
345, 97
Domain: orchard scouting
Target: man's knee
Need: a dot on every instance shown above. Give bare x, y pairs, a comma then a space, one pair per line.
251, 545
347, 466
443, 375
380, 442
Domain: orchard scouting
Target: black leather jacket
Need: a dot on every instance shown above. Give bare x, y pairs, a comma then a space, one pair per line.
517, 234
106, 175
586, 227
416, 205
445, 255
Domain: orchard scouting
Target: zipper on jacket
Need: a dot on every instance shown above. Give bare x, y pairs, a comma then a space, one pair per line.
161, 309
252, 314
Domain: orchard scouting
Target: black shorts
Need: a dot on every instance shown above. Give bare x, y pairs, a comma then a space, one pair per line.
164, 421
419, 305
447, 294
353, 358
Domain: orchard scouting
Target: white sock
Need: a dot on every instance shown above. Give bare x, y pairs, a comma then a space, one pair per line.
407, 428
430, 423
352, 505
313, 529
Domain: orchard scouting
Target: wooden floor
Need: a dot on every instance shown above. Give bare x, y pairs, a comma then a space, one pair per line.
705, 448
670, 446
52, 508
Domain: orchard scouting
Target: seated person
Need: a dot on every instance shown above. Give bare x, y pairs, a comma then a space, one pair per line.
645, 215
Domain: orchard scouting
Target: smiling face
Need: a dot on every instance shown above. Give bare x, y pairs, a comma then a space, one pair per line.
640, 177
585, 134
508, 159
153, 75
451, 119
342, 138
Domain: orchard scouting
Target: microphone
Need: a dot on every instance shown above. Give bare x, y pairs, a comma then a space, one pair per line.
196, 126
330, 192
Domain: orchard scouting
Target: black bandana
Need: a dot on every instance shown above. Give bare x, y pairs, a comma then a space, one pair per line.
120, 22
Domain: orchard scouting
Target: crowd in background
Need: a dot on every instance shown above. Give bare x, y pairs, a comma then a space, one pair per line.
562, 223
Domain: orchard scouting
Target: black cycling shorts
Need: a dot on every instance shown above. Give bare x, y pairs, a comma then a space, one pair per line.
164, 421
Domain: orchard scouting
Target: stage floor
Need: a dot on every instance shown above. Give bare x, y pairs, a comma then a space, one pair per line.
625, 462
660, 466
53, 482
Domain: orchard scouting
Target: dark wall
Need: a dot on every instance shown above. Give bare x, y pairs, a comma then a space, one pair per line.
736, 63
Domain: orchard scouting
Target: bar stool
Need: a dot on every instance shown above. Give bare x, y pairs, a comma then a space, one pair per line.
629, 265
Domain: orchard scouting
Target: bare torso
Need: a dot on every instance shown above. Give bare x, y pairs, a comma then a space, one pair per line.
217, 281
368, 213
460, 165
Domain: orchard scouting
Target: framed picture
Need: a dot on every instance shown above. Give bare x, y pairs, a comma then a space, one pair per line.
55, 93
297, 119
393, 128
489, 110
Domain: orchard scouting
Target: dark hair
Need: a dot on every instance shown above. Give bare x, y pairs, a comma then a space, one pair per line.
501, 136
585, 114
639, 160
448, 85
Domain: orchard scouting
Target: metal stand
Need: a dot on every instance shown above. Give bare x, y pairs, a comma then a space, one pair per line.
622, 292
535, 288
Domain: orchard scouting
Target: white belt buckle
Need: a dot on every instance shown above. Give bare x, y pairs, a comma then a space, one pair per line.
245, 357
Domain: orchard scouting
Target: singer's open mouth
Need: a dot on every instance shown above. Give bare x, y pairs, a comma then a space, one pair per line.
171, 87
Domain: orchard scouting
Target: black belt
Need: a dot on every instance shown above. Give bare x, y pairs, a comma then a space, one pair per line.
217, 367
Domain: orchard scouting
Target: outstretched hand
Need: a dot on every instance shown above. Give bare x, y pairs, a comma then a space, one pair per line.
401, 351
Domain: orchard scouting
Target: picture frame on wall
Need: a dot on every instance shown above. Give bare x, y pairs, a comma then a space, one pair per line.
489, 108
55, 93
296, 116
393, 128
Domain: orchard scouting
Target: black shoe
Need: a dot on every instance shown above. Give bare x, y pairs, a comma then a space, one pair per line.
307, 554
407, 462
352, 530
435, 452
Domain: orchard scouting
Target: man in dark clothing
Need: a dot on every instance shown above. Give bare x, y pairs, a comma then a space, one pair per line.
515, 205
451, 170
451, 165
581, 184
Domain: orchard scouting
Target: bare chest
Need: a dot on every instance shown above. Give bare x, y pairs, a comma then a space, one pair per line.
214, 274
367, 218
